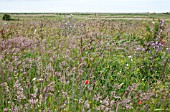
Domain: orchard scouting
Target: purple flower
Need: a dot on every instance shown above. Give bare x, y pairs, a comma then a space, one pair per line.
156, 42
138, 49
143, 49
153, 44
5, 109
161, 22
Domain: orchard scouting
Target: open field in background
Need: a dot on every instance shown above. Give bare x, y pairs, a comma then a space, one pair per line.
86, 62
132, 16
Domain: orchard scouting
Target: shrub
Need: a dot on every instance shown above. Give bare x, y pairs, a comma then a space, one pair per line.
6, 17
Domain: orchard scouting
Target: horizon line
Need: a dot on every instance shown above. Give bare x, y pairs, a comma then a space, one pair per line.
89, 12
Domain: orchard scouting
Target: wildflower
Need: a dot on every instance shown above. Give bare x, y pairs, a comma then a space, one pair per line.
138, 49
125, 101
35, 31
161, 22
143, 49
34, 79
5, 109
140, 102
87, 82
86, 104
33, 101
20, 93
129, 56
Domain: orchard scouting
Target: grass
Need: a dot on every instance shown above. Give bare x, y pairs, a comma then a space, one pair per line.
46, 62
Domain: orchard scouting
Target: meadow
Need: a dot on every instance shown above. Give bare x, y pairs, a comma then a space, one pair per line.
85, 63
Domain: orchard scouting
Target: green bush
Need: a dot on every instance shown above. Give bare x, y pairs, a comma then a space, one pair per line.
6, 17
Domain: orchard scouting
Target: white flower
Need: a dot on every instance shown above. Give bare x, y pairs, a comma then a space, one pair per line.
34, 79
35, 31
129, 56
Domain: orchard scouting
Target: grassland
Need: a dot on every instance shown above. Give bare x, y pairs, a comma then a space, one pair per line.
85, 62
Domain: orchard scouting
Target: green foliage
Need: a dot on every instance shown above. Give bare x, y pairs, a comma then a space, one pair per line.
6, 17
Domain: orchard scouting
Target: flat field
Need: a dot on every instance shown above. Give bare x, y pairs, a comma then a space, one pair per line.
85, 62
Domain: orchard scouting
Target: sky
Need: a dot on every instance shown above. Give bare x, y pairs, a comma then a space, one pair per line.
107, 6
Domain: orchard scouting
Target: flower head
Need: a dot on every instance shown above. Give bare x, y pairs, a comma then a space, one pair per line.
140, 102
86, 82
